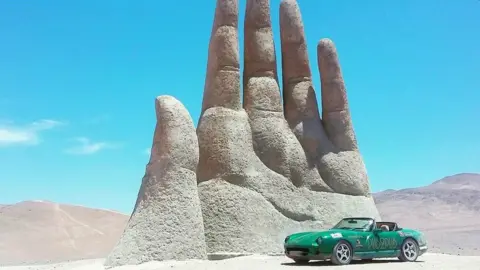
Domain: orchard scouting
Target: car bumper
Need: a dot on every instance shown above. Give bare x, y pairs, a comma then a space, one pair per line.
423, 249
305, 253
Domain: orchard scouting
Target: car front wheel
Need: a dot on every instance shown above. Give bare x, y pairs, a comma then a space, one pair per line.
409, 251
342, 253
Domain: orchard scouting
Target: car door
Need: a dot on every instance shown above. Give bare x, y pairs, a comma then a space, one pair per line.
386, 243
360, 243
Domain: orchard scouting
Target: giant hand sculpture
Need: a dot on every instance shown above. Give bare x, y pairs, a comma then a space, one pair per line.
263, 170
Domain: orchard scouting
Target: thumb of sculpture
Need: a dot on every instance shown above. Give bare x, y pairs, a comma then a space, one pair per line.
166, 223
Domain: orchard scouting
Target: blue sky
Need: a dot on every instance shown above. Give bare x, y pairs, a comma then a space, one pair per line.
78, 81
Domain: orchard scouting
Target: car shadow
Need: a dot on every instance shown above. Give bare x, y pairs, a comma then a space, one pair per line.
328, 263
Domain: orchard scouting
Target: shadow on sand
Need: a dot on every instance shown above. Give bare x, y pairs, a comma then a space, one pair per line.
328, 263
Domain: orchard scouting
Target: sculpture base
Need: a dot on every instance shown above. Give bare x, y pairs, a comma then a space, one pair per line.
239, 220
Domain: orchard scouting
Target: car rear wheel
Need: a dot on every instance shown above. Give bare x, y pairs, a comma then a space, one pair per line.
342, 253
301, 261
409, 251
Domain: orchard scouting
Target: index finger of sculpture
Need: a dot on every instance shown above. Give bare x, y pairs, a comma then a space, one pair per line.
222, 85
223, 130
261, 89
335, 111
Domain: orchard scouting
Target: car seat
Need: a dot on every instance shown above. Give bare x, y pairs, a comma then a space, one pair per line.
385, 228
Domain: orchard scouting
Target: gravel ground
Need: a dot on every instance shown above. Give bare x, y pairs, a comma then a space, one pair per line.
425, 262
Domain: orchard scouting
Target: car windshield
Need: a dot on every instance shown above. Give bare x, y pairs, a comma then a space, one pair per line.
354, 224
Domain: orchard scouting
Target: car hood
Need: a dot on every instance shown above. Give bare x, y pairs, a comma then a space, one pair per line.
311, 237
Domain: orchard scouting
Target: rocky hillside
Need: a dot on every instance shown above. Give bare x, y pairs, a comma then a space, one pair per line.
448, 211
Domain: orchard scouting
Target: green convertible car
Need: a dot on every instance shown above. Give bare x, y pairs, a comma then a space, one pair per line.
356, 238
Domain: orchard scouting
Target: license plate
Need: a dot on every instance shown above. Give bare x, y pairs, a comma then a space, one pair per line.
296, 253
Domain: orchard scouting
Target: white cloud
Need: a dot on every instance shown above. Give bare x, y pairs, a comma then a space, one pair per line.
87, 147
29, 134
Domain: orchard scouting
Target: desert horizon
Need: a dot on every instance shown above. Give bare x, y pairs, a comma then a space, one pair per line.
467, 175
459, 221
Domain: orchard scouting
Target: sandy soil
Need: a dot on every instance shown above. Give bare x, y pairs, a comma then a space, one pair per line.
47, 232
425, 262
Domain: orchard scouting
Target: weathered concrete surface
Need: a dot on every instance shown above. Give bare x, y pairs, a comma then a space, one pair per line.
273, 140
167, 222
266, 170
253, 222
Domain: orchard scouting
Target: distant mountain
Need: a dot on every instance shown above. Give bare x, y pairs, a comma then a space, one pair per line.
460, 181
461, 190
40, 231
448, 210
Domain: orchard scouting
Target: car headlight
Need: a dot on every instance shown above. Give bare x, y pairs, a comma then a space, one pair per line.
319, 240
286, 239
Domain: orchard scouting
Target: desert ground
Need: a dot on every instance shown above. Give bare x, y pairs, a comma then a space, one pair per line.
426, 262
